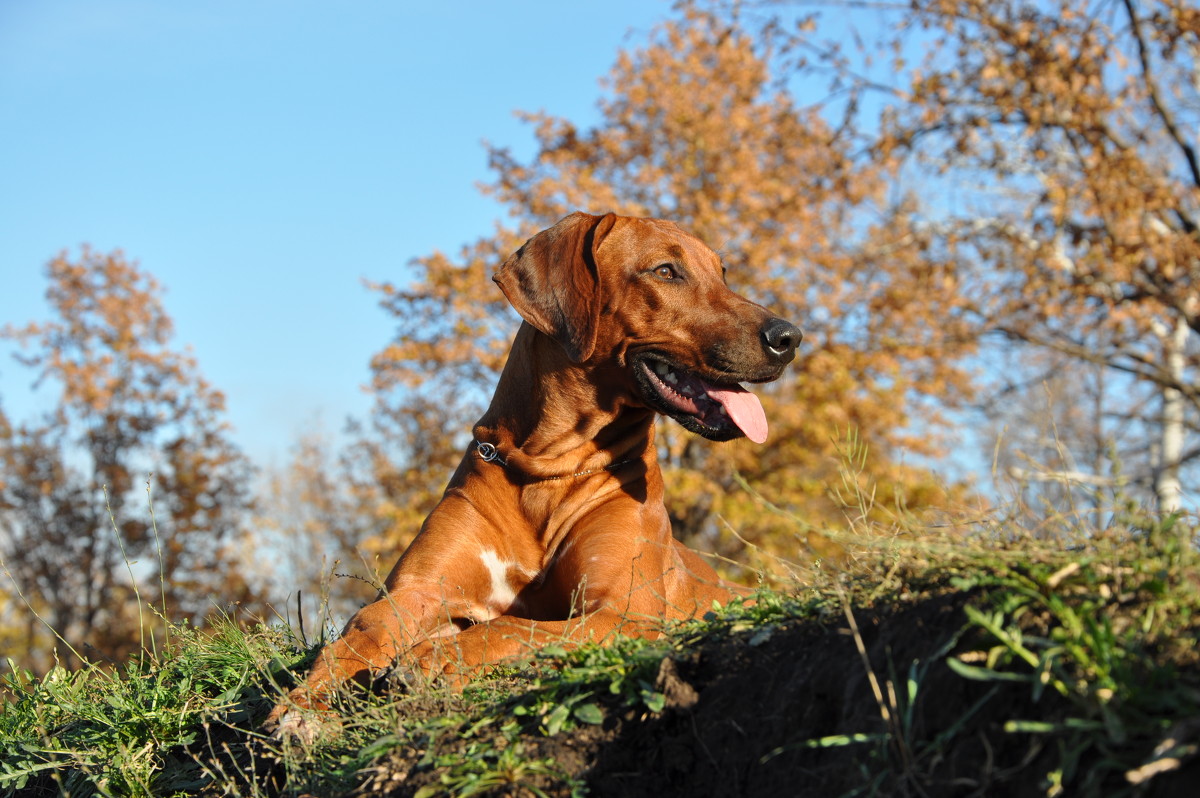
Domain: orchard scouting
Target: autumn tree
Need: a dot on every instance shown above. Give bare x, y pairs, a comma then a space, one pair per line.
133, 428
1085, 114
693, 128
1054, 144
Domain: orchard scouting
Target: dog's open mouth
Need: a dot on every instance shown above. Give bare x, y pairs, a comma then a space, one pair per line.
715, 411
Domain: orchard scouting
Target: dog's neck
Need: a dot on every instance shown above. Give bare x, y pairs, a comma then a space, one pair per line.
536, 419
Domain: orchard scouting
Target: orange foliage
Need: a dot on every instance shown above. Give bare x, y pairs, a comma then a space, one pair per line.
1054, 144
1083, 118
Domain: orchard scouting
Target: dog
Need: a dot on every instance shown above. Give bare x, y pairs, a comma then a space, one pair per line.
553, 527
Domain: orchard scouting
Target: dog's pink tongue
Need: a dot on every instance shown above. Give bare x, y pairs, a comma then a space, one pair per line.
745, 410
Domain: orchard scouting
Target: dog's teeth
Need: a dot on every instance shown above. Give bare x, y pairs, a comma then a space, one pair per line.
670, 377
661, 368
721, 410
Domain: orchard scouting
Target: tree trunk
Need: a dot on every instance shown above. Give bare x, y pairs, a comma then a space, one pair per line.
1166, 481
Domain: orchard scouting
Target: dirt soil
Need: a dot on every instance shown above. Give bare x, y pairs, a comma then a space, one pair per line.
742, 711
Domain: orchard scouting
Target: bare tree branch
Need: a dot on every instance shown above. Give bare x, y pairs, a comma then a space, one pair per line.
1168, 118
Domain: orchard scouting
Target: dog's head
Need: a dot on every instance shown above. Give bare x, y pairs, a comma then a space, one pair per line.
644, 295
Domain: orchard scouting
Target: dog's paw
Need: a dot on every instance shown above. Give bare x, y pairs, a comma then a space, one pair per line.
404, 676
425, 666
296, 720
301, 725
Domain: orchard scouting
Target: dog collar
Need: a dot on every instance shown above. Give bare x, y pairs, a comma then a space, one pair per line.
488, 453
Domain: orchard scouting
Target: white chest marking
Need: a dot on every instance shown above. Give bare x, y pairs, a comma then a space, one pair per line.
502, 595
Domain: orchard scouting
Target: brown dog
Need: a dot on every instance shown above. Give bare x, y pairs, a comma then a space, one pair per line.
553, 527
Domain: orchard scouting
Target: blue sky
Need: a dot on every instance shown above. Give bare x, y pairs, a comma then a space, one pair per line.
261, 158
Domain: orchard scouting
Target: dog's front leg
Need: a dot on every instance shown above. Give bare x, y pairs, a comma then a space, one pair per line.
455, 659
601, 586
371, 641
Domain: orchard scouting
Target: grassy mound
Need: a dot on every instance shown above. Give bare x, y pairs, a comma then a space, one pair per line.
923, 668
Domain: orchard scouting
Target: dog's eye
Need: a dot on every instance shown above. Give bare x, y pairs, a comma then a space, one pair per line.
666, 272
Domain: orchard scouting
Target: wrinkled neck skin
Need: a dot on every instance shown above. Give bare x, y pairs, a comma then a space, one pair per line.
537, 418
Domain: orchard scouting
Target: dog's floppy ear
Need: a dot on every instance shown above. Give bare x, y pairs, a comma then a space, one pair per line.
553, 283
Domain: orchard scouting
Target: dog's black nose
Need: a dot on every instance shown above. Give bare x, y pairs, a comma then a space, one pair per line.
780, 340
